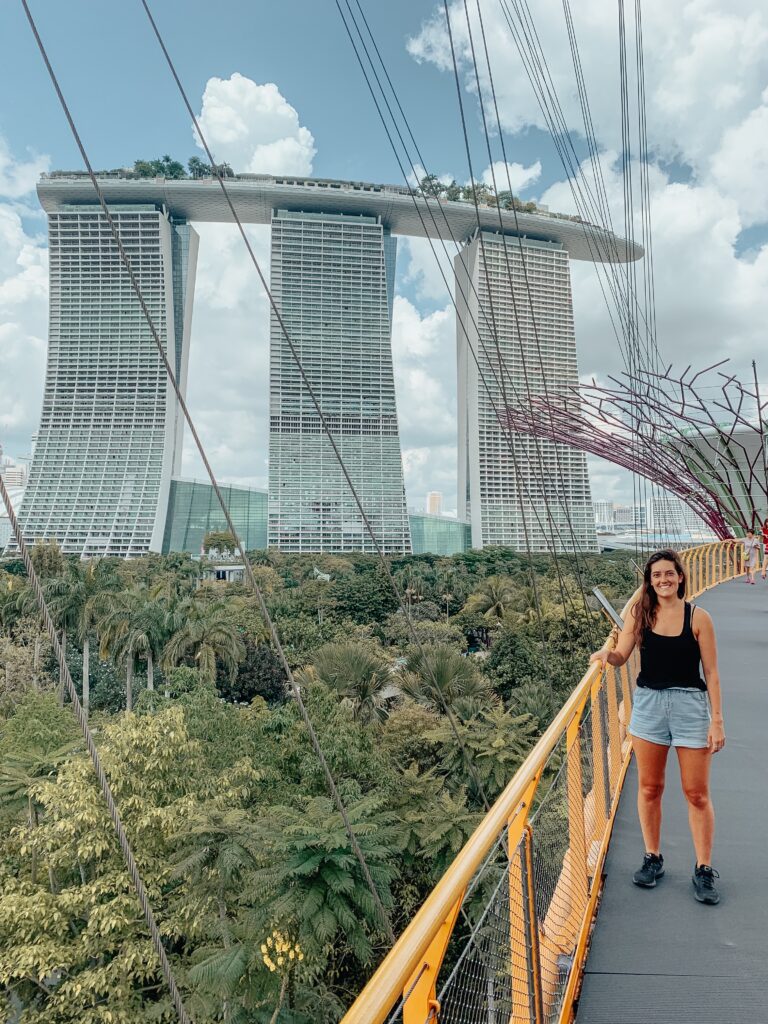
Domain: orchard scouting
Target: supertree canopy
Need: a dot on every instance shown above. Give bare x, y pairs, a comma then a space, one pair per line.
702, 436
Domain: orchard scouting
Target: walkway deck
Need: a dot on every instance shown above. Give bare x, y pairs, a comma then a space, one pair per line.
657, 956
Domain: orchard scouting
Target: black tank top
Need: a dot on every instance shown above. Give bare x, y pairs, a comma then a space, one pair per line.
667, 661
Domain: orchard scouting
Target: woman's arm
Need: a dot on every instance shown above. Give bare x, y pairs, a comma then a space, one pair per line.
704, 631
625, 644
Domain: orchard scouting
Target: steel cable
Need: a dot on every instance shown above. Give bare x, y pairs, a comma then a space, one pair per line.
315, 401
382, 913
106, 789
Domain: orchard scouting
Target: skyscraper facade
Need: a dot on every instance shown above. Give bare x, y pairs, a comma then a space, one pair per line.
110, 430
332, 278
512, 346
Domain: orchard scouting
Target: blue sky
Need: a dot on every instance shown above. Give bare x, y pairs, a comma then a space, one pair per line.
126, 105
707, 82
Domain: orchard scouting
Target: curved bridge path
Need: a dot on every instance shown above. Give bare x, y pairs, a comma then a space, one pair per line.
657, 956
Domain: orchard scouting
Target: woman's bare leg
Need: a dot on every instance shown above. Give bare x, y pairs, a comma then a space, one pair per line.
651, 763
694, 775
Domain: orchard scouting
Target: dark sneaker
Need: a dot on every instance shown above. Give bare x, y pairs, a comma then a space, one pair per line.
653, 868
704, 883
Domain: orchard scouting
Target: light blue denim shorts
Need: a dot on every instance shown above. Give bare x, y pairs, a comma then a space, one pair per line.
675, 717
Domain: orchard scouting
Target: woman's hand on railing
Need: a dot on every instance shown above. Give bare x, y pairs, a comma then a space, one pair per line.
601, 656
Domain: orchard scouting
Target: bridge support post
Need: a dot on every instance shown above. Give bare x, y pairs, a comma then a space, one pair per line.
420, 1003
614, 739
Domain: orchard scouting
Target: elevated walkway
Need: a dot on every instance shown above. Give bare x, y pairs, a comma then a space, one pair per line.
657, 956
504, 937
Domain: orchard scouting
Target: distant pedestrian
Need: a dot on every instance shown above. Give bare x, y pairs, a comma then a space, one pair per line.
671, 708
751, 555
765, 547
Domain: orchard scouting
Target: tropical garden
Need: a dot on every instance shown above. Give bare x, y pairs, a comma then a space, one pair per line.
424, 708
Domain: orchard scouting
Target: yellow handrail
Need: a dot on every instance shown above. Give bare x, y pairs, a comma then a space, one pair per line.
410, 969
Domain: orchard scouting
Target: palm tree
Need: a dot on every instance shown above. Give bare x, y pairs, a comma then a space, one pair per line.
436, 675
207, 633
358, 676
493, 597
76, 600
412, 585
136, 627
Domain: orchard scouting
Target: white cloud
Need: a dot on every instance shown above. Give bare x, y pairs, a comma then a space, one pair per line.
429, 265
18, 178
254, 128
705, 69
431, 468
424, 354
740, 165
23, 303
229, 356
511, 176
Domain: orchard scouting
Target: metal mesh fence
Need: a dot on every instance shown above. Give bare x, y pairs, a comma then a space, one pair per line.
494, 979
524, 912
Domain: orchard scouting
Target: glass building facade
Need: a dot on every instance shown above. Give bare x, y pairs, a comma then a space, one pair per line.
515, 489
439, 535
194, 510
332, 278
110, 430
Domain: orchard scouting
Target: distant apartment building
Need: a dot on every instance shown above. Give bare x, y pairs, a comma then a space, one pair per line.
669, 514
515, 341
434, 503
13, 475
333, 278
603, 511
630, 517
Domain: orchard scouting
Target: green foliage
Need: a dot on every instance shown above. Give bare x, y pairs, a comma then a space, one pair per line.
164, 167
219, 540
358, 675
47, 559
399, 632
259, 674
220, 787
364, 597
439, 677
495, 743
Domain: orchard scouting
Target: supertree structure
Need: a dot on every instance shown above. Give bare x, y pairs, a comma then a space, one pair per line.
702, 436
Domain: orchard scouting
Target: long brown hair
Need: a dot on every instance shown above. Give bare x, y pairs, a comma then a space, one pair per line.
648, 602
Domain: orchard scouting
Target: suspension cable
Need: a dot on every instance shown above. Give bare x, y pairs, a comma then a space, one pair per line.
485, 313
318, 408
340, 806
106, 789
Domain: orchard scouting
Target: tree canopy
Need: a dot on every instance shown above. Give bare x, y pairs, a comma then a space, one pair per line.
261, 902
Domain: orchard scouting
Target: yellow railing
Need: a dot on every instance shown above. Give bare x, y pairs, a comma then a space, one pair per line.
537, 857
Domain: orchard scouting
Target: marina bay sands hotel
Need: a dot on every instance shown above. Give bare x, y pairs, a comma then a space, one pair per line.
104, 478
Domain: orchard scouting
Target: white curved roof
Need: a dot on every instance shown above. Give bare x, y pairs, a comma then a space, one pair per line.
255, 196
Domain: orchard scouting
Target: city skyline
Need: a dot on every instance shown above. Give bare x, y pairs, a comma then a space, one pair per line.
110, 434
707, 223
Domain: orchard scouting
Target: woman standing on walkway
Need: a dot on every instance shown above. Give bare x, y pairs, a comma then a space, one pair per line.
751, 555
671, 709
765, 546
